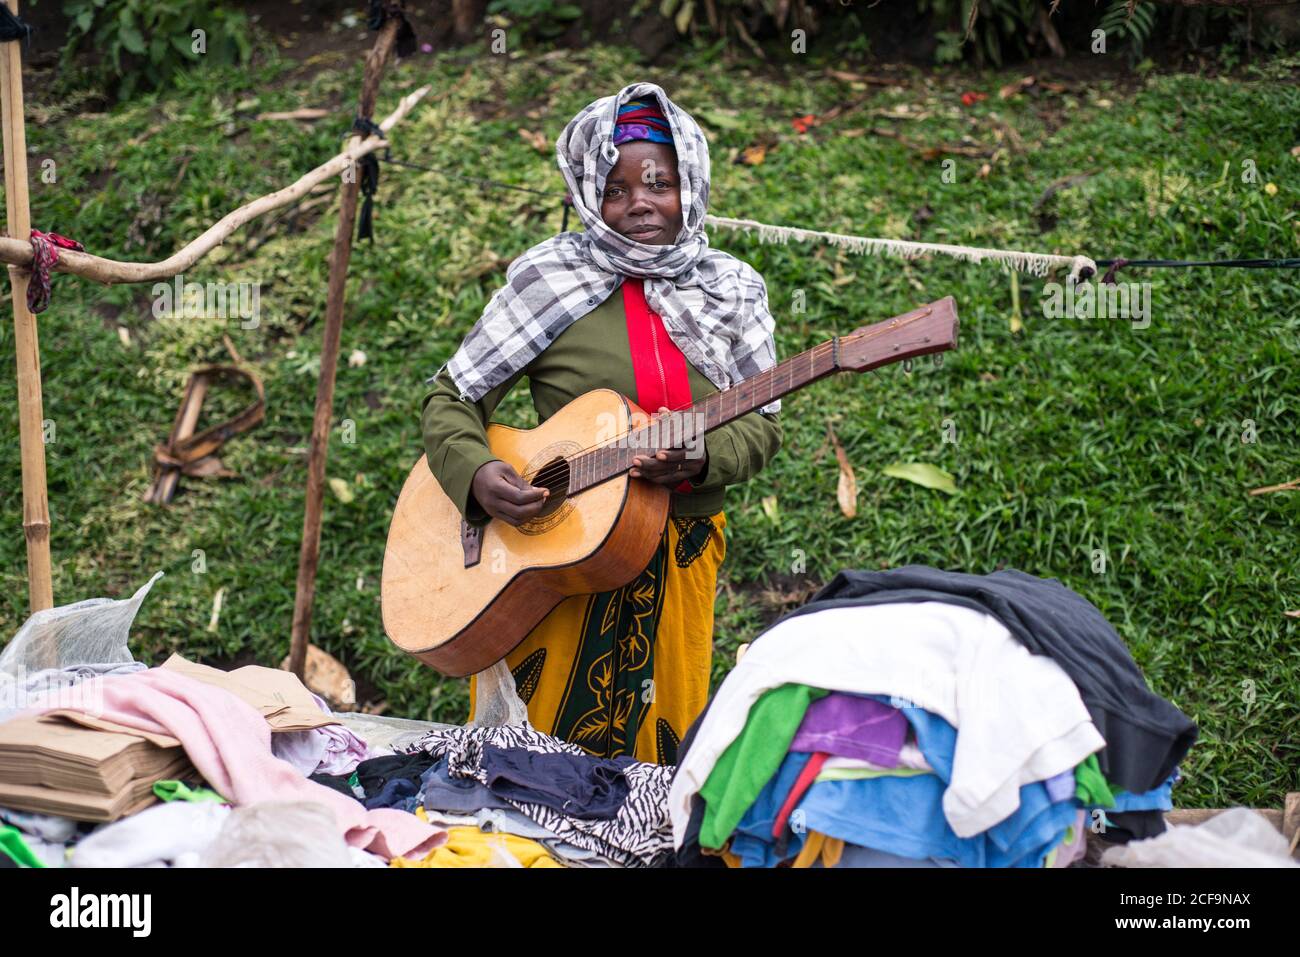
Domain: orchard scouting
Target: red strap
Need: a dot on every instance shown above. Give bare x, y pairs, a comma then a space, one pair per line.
657, 364
801, 786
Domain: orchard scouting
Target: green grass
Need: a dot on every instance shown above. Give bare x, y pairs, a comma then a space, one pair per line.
1073, 435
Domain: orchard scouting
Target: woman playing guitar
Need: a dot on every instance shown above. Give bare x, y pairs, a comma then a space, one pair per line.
639, 304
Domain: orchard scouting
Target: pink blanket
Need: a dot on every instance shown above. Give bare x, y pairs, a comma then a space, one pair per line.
229, 743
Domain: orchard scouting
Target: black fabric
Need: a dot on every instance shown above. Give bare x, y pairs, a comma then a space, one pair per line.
580, 786
1146, 736
689, 854
13, 27
369, 185
1125, 826
404, 42
374, 773
336, 782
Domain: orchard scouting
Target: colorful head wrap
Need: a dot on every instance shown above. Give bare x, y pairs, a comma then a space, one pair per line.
642, 120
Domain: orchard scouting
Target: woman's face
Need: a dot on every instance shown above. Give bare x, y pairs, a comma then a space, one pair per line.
643, 199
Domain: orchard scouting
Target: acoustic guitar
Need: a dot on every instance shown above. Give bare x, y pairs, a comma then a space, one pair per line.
460, 597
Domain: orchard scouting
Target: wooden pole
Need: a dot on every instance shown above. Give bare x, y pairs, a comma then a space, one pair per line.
36, 510
309, 555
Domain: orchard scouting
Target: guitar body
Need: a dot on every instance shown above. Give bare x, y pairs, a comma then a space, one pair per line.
462, 620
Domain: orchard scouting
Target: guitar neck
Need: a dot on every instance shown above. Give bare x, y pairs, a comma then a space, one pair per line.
615, 457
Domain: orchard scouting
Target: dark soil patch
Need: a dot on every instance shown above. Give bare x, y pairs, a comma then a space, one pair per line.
777, 595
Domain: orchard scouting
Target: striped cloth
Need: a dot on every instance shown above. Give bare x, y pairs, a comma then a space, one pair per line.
713, 305
639, 835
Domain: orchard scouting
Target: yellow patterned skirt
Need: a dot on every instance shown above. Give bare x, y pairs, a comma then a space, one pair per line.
627, 671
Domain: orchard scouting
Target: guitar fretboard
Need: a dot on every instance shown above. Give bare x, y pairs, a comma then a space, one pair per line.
596, 465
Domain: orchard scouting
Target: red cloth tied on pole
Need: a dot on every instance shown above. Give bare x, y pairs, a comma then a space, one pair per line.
45, 253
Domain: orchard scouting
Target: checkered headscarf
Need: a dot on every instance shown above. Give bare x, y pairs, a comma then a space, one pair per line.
713, 305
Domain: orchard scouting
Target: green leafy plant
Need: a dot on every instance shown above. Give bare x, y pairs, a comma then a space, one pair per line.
723, 18
949, 48
997, 31
144, 43
546, 18
1134, 23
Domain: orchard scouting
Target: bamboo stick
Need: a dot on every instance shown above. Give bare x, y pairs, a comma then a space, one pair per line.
18, 251
36, 511
309, 554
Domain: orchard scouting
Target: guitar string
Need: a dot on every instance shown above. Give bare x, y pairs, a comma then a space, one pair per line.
554, 472
816, 352
552, 477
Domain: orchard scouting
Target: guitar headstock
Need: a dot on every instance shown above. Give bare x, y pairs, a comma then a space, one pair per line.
922, 331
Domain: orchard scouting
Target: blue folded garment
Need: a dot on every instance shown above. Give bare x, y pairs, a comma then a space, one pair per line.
394, 794
901, 815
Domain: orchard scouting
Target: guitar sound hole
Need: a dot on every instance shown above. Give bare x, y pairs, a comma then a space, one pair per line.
554, 475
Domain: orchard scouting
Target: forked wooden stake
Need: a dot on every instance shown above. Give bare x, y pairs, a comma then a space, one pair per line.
19, 252
309, 554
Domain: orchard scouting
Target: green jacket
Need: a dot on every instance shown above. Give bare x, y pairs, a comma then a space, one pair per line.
593, 353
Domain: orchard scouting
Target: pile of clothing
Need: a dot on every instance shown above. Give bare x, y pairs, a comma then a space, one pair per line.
512, 789
112, 764
906, 718
245, 738
918, 717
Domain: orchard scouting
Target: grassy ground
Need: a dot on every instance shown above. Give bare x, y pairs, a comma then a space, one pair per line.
1073, 435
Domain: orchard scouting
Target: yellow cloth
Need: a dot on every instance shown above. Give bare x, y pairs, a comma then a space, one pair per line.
627, 671
818, 845
470, 847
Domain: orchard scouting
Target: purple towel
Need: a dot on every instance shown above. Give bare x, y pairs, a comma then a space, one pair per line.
1061, 787
850, 726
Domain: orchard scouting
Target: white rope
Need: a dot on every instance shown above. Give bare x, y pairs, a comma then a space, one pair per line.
1038, 264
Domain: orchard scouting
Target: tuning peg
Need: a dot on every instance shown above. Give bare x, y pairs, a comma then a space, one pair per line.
937, 359
907, 367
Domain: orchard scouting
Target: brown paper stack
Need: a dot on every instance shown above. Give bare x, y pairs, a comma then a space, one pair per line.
49, 766
69, 763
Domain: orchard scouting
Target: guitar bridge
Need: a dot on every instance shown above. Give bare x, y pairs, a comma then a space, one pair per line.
471, 542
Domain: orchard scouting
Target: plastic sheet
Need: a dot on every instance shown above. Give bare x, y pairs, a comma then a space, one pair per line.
501, 856
383, 734
1239, 837
496, 701
90, 632
278, 834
